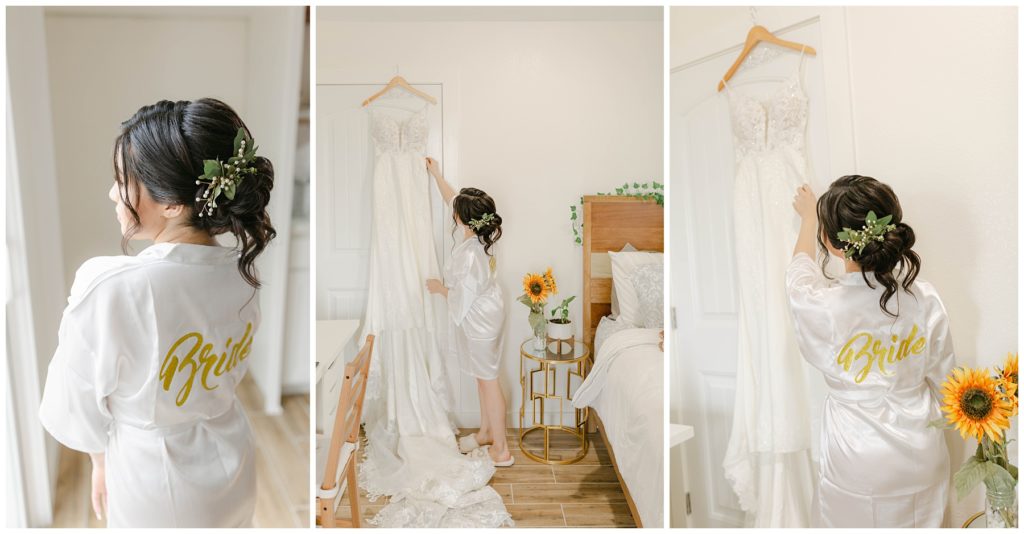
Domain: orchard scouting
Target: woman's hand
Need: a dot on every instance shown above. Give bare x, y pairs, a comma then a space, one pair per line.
434, 168
805, 203
99, 485
446, 190
435, 286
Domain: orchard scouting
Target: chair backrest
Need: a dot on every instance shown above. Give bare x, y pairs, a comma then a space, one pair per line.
350, 410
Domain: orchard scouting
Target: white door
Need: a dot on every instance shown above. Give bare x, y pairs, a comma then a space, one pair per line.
704, 298
344, 185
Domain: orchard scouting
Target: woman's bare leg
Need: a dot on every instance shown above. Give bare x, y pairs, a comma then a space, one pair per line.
483, 436
495, 406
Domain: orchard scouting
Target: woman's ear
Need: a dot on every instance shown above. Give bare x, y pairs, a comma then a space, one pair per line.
172, 211
828, 244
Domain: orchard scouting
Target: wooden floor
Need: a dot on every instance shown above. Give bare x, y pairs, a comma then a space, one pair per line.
282, 468
584, 494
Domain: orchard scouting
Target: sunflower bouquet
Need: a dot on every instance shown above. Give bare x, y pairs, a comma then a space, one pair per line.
980, 405
536, 290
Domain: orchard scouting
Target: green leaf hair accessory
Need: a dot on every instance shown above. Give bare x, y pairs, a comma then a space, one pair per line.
224, 177
484, 220
874, 229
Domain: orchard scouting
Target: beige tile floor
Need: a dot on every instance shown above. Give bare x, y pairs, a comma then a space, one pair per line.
282, 465
584, 494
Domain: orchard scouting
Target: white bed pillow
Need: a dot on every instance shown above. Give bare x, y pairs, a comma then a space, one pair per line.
649, 283
623, 265
628, 247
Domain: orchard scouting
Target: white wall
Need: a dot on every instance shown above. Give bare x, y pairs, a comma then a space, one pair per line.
933, 112
536, 113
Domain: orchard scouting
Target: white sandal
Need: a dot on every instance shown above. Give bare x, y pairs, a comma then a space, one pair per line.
468, 443
507, 463
504, 463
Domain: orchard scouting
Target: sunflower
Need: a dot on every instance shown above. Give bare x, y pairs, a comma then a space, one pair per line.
535, 287
1007, 379
549, 279
1009, 370
974, 405
1010, 390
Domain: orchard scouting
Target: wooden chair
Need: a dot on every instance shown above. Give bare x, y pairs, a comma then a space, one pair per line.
342, 453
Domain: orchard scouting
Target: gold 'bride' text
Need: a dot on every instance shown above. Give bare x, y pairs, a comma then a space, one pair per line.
202, 358
876, 354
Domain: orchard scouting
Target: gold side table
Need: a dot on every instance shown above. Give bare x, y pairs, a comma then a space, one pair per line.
540, 390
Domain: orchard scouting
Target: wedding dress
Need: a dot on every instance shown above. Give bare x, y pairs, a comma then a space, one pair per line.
411, 454
768, 461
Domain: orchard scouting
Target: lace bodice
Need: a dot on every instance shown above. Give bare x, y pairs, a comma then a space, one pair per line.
766, 125
392, 133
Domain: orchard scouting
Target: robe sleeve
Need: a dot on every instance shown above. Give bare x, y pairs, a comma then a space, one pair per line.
468, 278
942, 358
83, 371
806, 288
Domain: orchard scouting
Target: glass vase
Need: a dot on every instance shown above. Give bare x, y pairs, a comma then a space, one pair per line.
1001, 508
540, 328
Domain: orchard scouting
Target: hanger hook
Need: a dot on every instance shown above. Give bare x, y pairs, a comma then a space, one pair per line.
753, 16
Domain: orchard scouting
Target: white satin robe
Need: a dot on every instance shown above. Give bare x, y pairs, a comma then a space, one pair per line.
151, 348
881, 465
476, 309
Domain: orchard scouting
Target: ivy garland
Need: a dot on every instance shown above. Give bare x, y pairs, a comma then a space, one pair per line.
644, 191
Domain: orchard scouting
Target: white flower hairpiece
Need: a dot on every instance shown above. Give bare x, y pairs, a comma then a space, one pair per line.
483, 221
874, 229
225, 177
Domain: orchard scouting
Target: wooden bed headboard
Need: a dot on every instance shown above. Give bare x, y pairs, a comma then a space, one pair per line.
609, 222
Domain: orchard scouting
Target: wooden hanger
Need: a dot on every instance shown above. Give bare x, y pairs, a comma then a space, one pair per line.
399, 81
760, 34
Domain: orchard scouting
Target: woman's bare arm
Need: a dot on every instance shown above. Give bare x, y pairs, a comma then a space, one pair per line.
806, 206
447, 192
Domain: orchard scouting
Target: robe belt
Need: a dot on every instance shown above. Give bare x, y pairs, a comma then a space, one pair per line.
873, 394
154, 431
168, 430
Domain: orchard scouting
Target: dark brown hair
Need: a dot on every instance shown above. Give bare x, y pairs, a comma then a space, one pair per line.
472, 204
162, 148
845, 205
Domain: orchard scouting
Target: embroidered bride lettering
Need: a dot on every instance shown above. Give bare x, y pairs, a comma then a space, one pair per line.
864, 346
201, 358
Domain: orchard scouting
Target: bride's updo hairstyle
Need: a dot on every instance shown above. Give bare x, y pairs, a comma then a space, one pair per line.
162, 148
846, 205
476, 210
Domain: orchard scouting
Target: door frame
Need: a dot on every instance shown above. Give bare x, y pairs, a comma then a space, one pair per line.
35, 278
274, 112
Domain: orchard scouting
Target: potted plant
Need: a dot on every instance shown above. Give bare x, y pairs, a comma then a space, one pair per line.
559, 326
536, 289
980, 405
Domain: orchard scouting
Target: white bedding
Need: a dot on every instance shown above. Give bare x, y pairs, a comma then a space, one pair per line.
625, 387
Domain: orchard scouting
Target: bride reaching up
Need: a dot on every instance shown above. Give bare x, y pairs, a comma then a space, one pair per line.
476, 309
